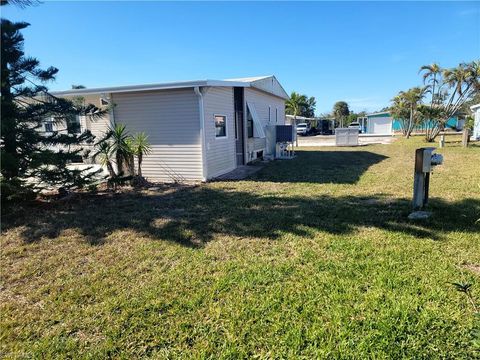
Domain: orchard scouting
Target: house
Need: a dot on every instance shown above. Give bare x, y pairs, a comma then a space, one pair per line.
382, 123
476, 124
198, 130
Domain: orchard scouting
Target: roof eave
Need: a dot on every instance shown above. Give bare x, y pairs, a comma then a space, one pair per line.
150, 87
379, 113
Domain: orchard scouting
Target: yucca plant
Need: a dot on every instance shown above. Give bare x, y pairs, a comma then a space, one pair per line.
104, 153
119, 138
140, 147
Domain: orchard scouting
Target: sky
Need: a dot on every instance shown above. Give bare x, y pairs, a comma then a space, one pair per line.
360, 52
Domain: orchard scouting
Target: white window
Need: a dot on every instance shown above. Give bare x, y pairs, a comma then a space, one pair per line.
269, 114
220, 125
276, 115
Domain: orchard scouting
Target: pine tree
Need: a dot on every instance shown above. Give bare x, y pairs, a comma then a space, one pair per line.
32, 159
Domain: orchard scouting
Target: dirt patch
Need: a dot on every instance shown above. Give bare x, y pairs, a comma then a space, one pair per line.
473, 268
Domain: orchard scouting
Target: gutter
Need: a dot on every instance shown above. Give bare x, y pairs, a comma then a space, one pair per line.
199, 94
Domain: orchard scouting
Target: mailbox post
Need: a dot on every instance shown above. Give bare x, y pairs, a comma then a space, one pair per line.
425, 159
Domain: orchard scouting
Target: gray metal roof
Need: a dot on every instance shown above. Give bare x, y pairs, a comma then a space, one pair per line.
239, 82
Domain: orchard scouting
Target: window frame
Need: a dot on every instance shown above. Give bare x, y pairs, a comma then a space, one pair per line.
225, 125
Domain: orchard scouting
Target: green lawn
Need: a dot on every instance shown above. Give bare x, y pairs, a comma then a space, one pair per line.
311, 258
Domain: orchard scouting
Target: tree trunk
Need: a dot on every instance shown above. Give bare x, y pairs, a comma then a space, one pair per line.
120, 166
110, 170
140, 158
410, 123
131, 165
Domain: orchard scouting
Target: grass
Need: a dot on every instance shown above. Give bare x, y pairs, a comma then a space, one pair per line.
311, 258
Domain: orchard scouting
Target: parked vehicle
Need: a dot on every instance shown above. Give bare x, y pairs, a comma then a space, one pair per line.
303, 129
355, 125
325, 127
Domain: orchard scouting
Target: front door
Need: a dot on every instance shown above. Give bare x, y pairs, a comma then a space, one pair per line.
239, 130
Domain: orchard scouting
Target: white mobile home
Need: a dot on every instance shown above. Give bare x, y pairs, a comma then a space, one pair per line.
198, 130
476, 124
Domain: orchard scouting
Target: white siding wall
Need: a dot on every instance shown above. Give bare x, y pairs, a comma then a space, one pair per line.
97, 127
270, 85
262, 101
476, 126
220, 152
170, 118
381, 125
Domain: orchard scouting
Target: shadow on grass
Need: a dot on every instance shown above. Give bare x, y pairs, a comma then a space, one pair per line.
195, 215
338, 167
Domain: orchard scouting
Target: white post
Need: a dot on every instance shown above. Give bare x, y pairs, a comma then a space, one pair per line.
442, 141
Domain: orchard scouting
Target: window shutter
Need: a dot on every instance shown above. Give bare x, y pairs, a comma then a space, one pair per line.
258, 130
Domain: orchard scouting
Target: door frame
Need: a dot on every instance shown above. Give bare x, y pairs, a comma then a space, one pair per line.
239, 99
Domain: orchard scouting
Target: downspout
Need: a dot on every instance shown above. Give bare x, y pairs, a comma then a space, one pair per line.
111, 116
111, 113
199, 94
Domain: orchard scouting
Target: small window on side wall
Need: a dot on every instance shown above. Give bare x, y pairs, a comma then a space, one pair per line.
73, 124
48, 126
249, 124
220, 126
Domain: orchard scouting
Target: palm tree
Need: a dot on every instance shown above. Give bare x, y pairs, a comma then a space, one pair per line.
295, 104
341, 111
310, 105
431, 74
450, 89
473, 75
140, 147
401, 112
412, 98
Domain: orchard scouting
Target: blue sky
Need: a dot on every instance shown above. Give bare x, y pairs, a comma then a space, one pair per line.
360, 52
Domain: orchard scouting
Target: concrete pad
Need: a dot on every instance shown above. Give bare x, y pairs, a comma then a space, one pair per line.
329, 140
419, 215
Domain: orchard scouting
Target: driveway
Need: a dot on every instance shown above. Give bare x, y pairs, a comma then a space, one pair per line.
329, 140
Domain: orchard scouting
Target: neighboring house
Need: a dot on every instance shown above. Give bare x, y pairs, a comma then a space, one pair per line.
382, 123
476, 125
198, 130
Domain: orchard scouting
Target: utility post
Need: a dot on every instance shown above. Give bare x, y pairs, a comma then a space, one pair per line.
424, 162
